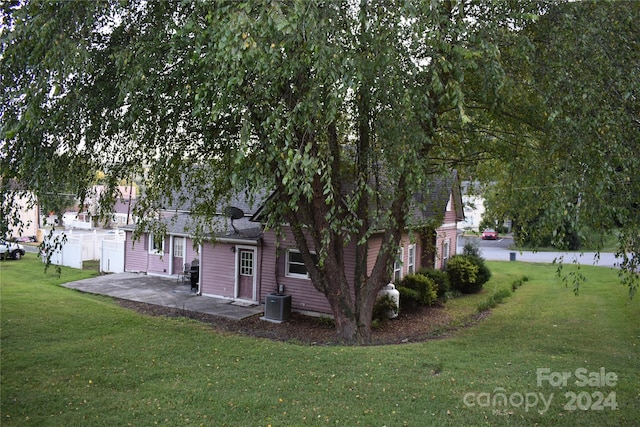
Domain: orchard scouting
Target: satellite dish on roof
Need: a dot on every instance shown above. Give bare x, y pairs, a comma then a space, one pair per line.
233, 212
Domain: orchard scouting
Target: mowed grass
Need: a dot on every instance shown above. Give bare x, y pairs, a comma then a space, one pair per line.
70, 359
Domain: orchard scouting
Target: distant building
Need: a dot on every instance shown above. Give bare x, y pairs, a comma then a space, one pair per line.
473, 203
29, 218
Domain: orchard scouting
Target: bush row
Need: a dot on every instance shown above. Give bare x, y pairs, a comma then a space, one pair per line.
494, 300
465, 273
499, 296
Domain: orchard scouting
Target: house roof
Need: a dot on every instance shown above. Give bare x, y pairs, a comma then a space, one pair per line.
428, 205
122, 205
179, 220
432, 202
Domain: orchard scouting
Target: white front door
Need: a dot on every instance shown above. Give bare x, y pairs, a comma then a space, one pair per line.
246, 274
179, 251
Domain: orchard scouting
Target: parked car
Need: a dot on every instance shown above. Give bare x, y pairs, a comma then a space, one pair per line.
489, 234
26, 239
11, 250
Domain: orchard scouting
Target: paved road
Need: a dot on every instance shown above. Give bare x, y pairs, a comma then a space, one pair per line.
501, 250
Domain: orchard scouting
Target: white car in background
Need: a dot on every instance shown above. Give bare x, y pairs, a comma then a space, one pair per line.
11, 250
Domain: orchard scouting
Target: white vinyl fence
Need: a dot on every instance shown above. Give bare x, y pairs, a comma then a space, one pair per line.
69, 254
112, 259
87, 246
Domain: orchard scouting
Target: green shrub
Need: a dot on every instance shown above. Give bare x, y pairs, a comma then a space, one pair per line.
494, 300
519, 282
384, 307
463, 274
440, 278
484, 274
409, 298
467, 284
425, 287
471, 248
501, 295
472, 252
486, 305
515, 285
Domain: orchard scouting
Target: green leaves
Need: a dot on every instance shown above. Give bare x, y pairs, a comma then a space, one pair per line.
576, 69
344, 110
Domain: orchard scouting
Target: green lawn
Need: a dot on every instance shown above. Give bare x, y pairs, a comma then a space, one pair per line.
72, 359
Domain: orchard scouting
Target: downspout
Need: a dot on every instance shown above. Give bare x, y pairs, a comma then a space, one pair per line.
171, 243
129, 203
259, 271
276, 270
147, 249
199, 290
124, 255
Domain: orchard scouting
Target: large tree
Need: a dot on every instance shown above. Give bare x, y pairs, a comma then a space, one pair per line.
343, 110
575, 170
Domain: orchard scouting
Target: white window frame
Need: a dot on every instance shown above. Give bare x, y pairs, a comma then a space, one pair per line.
246, 267
446, 248
411, 260
397, 266
288, 272
152, 246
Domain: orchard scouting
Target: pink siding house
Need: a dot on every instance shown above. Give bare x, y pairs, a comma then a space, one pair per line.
247, 263
228, 263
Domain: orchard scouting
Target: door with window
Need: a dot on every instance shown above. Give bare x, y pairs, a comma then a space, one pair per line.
179, 249
246, 278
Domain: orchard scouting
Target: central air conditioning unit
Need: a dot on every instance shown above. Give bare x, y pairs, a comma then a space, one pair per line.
277, 307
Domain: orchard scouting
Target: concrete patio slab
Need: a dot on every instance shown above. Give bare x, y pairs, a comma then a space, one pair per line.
164, 291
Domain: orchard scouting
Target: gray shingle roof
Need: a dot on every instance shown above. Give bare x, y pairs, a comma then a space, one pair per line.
428, 206
179, 220
431, 203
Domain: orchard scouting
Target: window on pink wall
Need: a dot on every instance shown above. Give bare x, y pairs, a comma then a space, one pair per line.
156, 244
445, 251
295, 266
397, 266
411, 260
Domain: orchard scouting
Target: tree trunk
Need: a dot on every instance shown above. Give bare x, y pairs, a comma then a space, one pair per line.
346, 326
353, 315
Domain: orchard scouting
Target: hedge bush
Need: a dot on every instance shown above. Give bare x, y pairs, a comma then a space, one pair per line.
408, 297
463, 274
439, 277
484, 274
418, 289
383, 308
467, 273
494, 300
471, 248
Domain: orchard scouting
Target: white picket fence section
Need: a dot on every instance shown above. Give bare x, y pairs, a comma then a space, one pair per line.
108, 247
